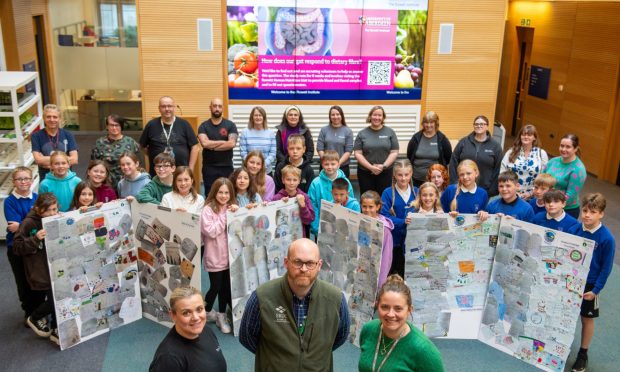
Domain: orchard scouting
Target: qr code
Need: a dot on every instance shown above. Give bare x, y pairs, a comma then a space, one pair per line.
379, 72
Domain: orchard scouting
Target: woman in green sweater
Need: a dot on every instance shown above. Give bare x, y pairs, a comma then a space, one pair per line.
569, 171
391, 343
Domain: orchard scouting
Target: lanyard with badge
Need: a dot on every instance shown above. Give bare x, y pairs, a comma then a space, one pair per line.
167, 135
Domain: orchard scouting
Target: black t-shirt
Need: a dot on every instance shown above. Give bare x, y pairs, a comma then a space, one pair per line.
220, 132
182, 139
177, 353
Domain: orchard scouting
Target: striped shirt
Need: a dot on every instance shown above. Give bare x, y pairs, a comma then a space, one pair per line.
261, 140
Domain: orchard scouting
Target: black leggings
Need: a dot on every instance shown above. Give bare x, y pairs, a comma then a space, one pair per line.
398, 261
29, 299
369, 181
220, 288
45, 308
211, 173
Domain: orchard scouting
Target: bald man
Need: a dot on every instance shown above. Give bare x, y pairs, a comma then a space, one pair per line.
293, 323
218, 137
171, 134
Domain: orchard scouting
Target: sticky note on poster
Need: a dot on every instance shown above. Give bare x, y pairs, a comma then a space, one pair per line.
88, 239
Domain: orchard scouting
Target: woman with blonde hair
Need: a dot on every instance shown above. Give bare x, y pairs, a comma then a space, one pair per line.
257, 137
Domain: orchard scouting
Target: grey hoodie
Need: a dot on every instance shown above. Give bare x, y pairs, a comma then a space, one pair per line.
127, 187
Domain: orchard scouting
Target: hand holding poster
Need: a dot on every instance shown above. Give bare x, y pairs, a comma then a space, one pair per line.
169, 255
351, 245
535, 293
93, 266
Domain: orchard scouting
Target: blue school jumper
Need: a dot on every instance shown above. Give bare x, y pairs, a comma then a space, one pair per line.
401, 208
564, 224
535, 207
466, 202
518, 209
603, 258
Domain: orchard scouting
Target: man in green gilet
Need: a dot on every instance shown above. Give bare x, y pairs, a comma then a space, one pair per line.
293, 323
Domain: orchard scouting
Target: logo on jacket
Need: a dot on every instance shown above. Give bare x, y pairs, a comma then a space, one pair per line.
223, 132
281, 314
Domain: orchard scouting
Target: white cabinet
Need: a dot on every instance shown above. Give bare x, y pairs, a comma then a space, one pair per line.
20, 92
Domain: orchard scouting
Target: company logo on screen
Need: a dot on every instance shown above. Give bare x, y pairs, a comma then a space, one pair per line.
376, 21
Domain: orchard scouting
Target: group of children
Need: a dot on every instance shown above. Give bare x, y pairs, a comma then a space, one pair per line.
249, 185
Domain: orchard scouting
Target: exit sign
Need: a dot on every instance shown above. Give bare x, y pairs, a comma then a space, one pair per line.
525, 21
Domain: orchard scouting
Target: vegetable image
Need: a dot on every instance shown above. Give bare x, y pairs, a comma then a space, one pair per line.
245, 61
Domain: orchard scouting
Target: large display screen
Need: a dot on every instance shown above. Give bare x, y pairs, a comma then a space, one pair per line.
337, 50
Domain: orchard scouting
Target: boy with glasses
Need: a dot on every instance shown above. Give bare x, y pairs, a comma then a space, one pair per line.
161, 184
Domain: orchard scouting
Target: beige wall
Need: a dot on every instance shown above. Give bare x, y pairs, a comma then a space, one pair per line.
580, 42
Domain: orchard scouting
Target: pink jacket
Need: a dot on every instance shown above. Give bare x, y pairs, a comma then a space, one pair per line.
387, 251
215, 240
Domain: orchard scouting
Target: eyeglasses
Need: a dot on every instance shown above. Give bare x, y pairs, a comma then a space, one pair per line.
310, 265
480, 125
162, 166
114, 125
22, 179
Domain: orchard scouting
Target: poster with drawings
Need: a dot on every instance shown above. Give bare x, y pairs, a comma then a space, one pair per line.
258, 241
447, 266
351, 245
169, 256
535, 293
93, 264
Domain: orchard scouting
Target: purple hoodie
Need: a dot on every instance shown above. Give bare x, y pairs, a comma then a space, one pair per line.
306, 215
386, 252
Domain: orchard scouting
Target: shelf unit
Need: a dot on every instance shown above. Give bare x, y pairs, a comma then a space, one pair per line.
15, 145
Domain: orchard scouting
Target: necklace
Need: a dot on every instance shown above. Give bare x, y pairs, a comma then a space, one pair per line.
391, 346
385, 345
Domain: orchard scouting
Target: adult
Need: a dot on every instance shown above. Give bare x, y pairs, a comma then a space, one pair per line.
376, 149
258, 137
171, 134
480, 147
112, 146
526, 159
337, 136
292, 123
218, 137
189, 345
569, 171
391, 343
293, 323
427, 147
52, 138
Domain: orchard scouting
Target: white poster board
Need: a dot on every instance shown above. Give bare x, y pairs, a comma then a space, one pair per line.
535, 293
169, 251
447, 266
93, 266
258, 241
351, 245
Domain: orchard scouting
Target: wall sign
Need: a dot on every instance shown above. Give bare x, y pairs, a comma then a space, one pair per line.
539, 82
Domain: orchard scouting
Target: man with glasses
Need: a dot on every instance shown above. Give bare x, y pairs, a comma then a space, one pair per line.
170, 134
218, 137
293, 323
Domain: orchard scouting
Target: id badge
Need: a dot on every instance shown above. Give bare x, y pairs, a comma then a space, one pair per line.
169, 150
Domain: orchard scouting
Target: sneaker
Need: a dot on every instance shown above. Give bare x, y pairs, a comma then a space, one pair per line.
580, 364
222, 323
39, 327
54, 336
211, 316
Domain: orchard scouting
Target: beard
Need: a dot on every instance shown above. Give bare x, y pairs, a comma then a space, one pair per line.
216, 114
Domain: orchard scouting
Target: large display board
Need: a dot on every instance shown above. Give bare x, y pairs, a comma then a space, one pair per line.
351, 246
258, 241
535, 293
326, 49
447, 266
93, 266
169, 251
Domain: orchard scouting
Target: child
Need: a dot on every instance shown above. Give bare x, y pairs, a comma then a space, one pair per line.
509, 203
543, 183
397, 204
427, 200
16, 208
554, 217
61, 181
340, 194
465, 196
183, 196
321, 187
296, 148
255, 164
438, 174
98, 175
245, 188
215, 259
290, 177
592, 212
134, 177
160, 184
84, 197
29, 242
371, 205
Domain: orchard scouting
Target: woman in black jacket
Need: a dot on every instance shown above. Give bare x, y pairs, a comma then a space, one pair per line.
292, 123
427, 147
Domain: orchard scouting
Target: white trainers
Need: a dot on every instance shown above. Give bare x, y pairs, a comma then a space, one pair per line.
40, 327
222, 323
211, 316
